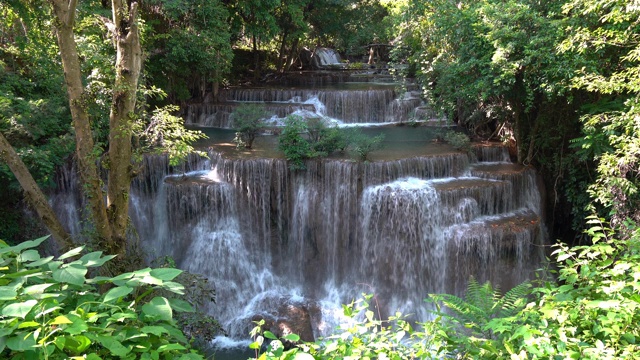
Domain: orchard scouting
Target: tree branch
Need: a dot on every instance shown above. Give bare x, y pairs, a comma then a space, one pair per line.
33, 194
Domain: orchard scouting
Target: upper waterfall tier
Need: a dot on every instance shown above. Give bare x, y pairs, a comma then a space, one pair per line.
346, 103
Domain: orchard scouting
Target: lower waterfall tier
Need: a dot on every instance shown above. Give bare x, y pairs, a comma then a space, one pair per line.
291, 247
401, 229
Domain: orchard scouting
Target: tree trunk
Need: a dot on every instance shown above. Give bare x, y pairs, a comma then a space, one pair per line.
532, 142
292, 54
121, 118
65, 18
110, 219
34, 195
281, 53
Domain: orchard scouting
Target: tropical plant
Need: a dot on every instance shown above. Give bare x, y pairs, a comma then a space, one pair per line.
474, 326
607, 35
363, 336
589, 312
362, 145
291, 141
53, 309
456, 139
189, 46
165, 133
248, 120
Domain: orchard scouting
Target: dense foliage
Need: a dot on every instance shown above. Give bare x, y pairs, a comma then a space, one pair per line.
556, 80
56, 308
313, 138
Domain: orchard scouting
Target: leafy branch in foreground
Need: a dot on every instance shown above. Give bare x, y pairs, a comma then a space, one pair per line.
165, 133
50, 309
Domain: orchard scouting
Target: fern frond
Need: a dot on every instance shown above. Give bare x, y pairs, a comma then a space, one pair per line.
482, 303
515, 299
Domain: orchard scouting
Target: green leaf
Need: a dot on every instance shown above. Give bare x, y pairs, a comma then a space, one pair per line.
28, 324
170, 347
292, 337
71, 253
71, 274
77, 344
29, 255
39, 262
94, 259
165, 274
7, 293
181, 305
154, 330
114, 346
123, 276
302, 356
21, 343
19, 309
36, 289
24, 245
59, 341
269, 335
116, 293
78, 325
158, 308
174, 287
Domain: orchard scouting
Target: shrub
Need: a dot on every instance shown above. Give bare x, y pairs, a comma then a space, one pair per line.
248, 122
458, 140
590, 312
364, 337
291, 141
52, 310
362, 145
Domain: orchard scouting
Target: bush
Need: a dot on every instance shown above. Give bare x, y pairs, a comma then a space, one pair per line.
362, 145
295, 146
458, 140
301, 140
52, 310
364, 337
248, 122
590, 312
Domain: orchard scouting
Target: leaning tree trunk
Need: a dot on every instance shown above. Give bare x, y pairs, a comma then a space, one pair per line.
64, 11
34, 195
121, 118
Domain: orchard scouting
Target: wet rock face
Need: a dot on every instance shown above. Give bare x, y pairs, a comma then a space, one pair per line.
290, 316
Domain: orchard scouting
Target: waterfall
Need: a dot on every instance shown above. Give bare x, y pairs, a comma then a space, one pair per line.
291, 246
323, 57
352, 103
404, 228
266, 236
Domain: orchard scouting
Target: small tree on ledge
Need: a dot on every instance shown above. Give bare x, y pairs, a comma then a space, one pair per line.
248, 122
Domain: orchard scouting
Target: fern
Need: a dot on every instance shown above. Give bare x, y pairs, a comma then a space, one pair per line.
481, 304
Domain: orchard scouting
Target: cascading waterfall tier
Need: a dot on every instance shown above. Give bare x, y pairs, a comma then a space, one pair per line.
348, 103
401, 229
277, 244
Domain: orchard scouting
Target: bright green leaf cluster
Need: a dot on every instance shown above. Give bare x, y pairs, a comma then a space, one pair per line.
303, 139
51, 309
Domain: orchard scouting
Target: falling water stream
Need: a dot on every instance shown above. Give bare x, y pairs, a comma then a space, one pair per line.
419, 218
